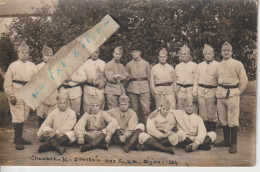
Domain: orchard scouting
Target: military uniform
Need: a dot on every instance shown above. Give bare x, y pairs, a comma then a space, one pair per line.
92, 69
127, 125
115, 87
160, 130
17, 75
185, 75
191, 129
205, 86
232, 81
138, 88
74, 91
93, 128
162, 83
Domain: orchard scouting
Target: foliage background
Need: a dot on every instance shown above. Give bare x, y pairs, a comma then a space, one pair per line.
152, 24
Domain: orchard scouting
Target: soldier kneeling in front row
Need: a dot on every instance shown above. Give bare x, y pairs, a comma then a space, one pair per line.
57, 129
160, 125
128, 130
191, 129
95, 128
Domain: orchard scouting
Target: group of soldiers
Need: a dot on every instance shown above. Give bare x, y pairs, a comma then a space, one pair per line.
190, 100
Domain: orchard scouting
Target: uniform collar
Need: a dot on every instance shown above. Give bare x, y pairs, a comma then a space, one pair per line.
138, 59
209, 61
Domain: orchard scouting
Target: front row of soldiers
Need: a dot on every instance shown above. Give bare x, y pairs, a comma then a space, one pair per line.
165, 128
215, 86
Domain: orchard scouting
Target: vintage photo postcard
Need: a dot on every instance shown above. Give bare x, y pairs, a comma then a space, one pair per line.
128, 83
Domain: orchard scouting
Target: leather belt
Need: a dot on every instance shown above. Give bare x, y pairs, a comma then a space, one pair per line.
20, 82
68, 86
185, 85
228, 88
164, 84
91, 85
139, 79
207, 86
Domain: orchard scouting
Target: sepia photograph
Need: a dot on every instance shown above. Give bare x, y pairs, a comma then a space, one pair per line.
154, 83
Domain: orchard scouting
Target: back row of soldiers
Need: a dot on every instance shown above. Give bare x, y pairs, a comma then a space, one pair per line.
216, 87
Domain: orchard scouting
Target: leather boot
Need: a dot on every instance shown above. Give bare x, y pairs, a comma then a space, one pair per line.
53, 142
233, 145
157, 146
165, 142
87, 139
93, 144
117, 134
45, 148
187, 141
18, 137
206, 144
64, 140
226, 141
103, 146
24, 142
132, 140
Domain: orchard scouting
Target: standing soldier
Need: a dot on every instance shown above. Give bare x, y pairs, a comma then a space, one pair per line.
163, 81
73, 89
128, 129
232, 81
115, 73
205, 88
51, 103
185, 75
91, 73
138, 88
17, 75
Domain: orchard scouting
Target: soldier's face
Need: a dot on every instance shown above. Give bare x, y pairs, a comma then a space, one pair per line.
189, 108
23, 55
95, 55
163, 59
164, 111
124, 106
95, 108
209, 56
117, 55
136, 54
185, 56
47, 57
226, 54
63, 104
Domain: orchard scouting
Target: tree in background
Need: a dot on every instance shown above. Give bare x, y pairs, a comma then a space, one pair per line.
152, 24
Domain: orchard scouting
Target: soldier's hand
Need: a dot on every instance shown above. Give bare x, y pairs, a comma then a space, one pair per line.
195, 98
108, 139
45, 135
122, 139
68, 79
12, 100
52, 134
81, 141
194, 146
101, 84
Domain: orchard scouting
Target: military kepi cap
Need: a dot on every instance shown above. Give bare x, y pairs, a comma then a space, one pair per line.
185, 48
23, 47
166, 104
137, 47
119, 49
47, 50
207, 48
124, 99
226, 46
163, 52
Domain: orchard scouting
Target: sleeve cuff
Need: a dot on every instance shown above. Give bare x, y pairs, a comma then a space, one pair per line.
198, 142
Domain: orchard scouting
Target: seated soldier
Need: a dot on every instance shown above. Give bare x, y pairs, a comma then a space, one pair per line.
191, 129
160, 125
95, 129
57, 129
128, 128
